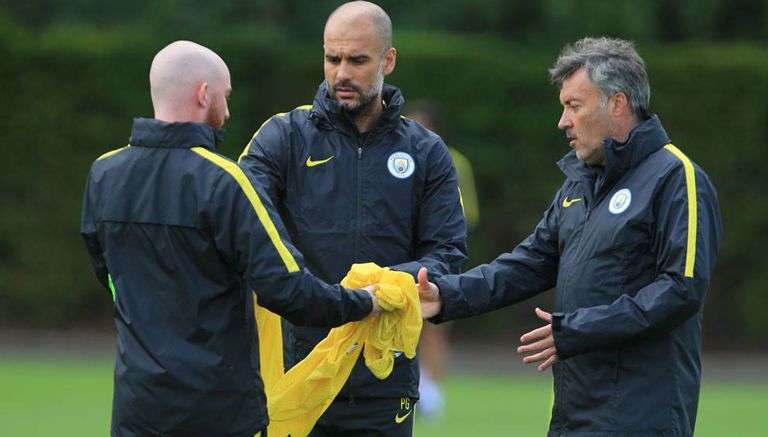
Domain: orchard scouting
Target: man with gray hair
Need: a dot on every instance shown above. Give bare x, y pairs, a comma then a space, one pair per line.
629, 242
354, 181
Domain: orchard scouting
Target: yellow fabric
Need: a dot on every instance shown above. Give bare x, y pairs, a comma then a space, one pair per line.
297, 399
270, 340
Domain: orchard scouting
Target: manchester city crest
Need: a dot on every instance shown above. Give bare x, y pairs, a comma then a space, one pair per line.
620, 201
401, 165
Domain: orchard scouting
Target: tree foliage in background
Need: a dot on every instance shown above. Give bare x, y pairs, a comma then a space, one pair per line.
76, 74
538, 22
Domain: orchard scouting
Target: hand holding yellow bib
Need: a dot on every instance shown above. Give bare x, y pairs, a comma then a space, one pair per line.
298, 398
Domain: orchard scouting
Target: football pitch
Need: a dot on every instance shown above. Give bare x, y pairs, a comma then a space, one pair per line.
72, 397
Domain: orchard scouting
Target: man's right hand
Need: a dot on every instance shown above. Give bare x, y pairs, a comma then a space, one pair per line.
429, 295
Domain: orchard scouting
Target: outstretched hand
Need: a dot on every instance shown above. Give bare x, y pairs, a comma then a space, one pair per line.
539, 344
429, 295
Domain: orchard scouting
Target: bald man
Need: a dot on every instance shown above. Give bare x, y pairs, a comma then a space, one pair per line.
179, 234
354, 181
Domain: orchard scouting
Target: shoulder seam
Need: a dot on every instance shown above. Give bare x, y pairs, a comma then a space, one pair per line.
253, 197
279, 114
112, 152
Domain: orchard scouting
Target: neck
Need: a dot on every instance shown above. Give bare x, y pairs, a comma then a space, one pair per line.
178, 116
624, 129
366, 120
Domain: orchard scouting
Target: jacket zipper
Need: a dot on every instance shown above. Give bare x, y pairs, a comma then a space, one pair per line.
359, 215
359, 209
358, 225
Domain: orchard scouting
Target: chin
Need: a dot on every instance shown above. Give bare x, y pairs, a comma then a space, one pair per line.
349, 105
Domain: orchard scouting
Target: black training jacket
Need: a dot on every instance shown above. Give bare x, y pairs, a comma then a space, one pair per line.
183, 233
389, 197
631, 250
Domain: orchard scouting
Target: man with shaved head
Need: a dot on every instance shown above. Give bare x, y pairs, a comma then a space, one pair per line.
184, 77
354, 181
180, 235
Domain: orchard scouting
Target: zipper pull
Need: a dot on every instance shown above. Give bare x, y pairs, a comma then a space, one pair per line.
359, 152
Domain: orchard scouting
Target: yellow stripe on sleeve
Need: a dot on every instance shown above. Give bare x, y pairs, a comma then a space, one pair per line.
237, 173
248, 146
690, 182
113, 152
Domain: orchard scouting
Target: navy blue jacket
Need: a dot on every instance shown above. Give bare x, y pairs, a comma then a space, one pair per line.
183, 233
630, 249
389, 197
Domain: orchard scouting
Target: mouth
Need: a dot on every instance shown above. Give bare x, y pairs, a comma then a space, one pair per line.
345, 93
571, 139
345, 90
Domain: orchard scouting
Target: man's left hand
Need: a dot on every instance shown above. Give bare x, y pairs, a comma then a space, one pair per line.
429, 295
539, 344
375, 307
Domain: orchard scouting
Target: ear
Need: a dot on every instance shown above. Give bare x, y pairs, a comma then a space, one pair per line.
619, 104
390, 59
202, 94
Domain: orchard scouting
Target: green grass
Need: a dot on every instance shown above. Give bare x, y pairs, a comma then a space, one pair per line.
519, 405
62, 398
70, 397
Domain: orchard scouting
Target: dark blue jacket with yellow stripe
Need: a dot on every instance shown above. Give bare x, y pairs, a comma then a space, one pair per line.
389, 197
630, 249
183, 233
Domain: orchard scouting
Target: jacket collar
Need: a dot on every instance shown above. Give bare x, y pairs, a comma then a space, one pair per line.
327, 113
150, 132
645, 139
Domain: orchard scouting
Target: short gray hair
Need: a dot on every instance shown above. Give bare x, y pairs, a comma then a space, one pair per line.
381, 22
612, 64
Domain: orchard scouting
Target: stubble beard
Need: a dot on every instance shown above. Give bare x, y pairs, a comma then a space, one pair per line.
215, 117
367, 100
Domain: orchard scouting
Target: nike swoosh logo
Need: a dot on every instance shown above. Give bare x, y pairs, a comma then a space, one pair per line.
399, 419
311, 163
567, 203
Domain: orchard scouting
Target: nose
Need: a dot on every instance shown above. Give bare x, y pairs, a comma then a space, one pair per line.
344, 72
564, 122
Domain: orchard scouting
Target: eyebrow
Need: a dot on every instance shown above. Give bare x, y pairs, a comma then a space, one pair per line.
573, 100
352, 58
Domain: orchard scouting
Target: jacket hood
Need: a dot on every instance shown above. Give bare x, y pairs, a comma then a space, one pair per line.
645, 139
327, 112
150, 132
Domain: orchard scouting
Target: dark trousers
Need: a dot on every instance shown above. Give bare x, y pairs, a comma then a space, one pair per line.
390, 417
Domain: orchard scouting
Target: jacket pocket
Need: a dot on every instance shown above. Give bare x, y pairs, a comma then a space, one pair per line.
589, 388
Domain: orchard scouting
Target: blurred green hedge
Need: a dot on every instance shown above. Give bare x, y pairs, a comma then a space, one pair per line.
70, 96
